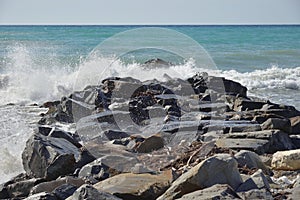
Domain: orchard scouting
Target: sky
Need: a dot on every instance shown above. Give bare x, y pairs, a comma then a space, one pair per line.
150, 12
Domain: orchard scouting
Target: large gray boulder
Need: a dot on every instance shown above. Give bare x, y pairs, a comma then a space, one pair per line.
49, 157
218, 169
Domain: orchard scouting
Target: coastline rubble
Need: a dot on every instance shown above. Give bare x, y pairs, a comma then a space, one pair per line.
200, 138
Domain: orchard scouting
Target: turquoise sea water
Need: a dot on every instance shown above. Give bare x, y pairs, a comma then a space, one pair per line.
43, 63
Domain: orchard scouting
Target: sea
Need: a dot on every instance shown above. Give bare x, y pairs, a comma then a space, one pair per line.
43, 63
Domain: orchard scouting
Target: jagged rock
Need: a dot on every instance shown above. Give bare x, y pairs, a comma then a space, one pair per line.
42, 196
217, 191
112, 135
242, 105
64, 191
276, 123
88, 192
150, 144
136, 186
251, 160
267, 141
218, 169
286, 160
256, 194
51, 185
256, 181
19, 186
48, 157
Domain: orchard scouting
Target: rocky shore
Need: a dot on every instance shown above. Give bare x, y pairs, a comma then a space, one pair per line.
200, 138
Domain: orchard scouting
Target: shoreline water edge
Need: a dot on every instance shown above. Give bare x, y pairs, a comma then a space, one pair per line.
130, 139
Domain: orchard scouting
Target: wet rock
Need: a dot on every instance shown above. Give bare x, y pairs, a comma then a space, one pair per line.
256, 181
276, 123
94, 172
136, 186
42, 196
48, 157
51, 185
150, 144
251, 160
64, 191
19, 186
218, 169
88, 192
286, 160
217, 191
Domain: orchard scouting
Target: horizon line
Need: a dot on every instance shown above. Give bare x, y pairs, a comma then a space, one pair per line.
142, 24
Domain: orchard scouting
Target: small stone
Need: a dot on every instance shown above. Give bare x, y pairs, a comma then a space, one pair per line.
150, 144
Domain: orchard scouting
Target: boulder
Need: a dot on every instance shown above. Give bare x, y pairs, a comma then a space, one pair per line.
49, 157
251, 160
277, 123
286, 160
217, 191
241, 104
218, 169
136, 186
88, 192
150, 144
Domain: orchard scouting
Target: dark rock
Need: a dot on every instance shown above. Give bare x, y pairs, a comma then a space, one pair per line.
243, 105
217, 191
268, 141
88, 192
48, 157
112, 134
150, 144
51, 185
64, 191
276, 123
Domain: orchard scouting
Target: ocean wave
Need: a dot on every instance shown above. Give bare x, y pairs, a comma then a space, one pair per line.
24, 80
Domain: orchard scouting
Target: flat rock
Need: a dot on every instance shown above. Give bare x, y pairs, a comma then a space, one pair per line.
51, 185
267, 141
256, 194
286, 160
218, 169
136, 186
217, 191
88, 192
